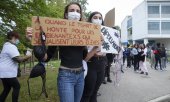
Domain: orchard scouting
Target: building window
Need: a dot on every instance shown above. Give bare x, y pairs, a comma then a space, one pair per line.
129, 23
165, 27
165, 10
130, 31
153, 12
153, 27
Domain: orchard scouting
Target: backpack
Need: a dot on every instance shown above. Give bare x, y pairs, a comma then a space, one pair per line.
155, 51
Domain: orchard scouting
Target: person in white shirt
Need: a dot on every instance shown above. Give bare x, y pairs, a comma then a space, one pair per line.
142, 62
9, 59
118, 67
136, 57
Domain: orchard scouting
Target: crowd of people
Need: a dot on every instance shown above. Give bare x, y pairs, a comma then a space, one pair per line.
158, 54
136, 57
71, 83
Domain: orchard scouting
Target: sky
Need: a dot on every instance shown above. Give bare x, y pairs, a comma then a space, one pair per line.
123, 8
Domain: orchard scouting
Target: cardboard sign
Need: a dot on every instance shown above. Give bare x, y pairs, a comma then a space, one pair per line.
109, 20
63, 32
111, 40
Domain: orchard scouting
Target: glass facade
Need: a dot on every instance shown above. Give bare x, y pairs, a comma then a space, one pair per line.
129, 23
165, 27
153, 11
154, 27
159, 12
130, 31
165, 11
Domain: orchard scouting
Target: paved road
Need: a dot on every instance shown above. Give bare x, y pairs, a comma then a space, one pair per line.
135, 87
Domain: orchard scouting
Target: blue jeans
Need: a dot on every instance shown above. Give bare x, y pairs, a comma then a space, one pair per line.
163, 62
70, 86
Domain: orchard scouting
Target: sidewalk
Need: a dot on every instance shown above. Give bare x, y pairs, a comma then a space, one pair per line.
135, 87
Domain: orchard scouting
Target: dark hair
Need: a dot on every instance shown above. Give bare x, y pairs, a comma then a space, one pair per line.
134, 45
153, 48
12, 34
158, 44
66, 10
92, 14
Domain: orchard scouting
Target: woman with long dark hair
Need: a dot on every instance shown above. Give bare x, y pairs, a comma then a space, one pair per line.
71, 73
96, 66
142, 62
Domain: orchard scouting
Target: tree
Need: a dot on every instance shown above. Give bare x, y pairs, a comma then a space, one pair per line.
87, 14
17, 14
2, 40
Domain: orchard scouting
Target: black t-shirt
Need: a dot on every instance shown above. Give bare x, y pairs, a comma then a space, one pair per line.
71, 56
110, 57
141, 57
163, 52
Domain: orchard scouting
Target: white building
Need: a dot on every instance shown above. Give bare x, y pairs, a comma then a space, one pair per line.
150, 23
126, 30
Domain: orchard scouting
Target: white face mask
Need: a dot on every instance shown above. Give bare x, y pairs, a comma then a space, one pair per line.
97, 21
17, 42
74, 16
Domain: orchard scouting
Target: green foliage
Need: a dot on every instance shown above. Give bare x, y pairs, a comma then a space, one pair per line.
21, 48
87, 14
17, 14
2, 40
83, 3
36, 84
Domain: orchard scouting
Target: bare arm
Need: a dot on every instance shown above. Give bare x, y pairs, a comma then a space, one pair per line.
91, 53
20, 59
94, 50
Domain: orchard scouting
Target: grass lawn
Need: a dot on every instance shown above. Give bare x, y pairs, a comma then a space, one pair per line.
35, 87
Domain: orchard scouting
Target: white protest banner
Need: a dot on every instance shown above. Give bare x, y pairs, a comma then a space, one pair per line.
111, 40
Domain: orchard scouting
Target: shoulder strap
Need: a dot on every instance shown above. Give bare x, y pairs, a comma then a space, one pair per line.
42, 33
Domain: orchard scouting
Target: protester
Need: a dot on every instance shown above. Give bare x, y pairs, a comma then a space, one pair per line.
163, 56
152, 60
157, 53
71, 73
135, 54
110, 58
127, 52
122, 59
131, 56
118, 66
96, 66
124, 56
142, 62
9, 59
